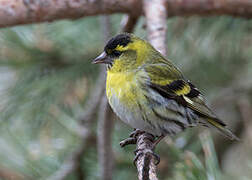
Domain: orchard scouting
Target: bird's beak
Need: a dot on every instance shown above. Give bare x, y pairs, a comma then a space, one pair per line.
102, 58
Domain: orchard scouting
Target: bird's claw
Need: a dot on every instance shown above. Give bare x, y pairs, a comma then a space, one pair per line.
128, 141
140, 152
132, 139
136, 133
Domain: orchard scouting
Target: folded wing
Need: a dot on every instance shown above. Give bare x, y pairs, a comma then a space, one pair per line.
169, 82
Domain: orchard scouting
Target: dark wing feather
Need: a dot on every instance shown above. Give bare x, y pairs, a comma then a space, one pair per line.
169, 82
174, 86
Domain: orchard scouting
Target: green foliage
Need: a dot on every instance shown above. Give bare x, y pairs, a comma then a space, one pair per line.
51, 77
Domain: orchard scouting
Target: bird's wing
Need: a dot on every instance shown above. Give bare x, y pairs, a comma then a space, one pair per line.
169, 82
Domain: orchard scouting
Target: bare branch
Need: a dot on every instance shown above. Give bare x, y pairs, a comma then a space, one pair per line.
237, 8
146, 165
155, 13
145, 159
29, 11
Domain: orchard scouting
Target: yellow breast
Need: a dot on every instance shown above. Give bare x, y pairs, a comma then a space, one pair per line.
122, 86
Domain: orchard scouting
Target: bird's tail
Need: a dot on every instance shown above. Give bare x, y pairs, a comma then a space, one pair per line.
225, 131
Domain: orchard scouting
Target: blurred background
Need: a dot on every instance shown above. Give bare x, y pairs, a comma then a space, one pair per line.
47, 79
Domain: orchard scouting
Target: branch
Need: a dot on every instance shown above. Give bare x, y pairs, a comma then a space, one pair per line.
245, 109
155, 13
128, 23
34, 11
145, 157
104, 133
30, 11
105, 122
72, 163
145, 163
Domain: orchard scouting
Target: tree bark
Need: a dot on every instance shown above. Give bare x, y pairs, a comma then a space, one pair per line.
155, 13
146, 165
35, 11
128, 23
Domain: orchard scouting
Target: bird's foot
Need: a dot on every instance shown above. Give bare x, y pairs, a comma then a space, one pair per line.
142, 152
128, 141
132, 139
136, 133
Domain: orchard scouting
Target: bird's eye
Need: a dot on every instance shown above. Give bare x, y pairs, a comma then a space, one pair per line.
116, 53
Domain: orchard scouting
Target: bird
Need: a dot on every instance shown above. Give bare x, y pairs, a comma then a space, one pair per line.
151, 94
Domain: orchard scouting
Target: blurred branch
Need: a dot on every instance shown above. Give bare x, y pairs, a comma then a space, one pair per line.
210, 155
28, 11
155, 13
245, 109
128, 23
104, 135
105, 122
229, 96
95, 98
73, 162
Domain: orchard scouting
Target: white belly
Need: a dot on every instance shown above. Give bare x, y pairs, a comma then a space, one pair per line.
133, 117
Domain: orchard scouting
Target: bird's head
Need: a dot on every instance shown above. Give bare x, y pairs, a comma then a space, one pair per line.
124, 52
